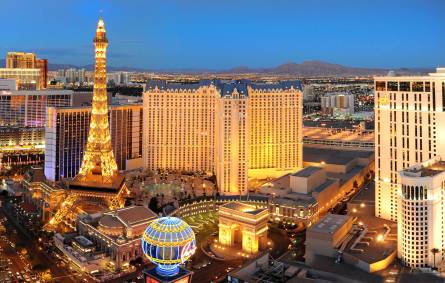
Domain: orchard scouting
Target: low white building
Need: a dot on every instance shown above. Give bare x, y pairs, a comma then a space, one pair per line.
421, 213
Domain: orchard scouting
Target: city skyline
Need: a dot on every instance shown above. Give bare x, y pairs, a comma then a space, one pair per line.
183, 154
265, 35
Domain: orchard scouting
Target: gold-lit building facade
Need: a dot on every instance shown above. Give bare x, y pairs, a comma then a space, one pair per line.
420, 226
26, 79
22, 123
245, 224
409, 129
22, 60
66, 135
236, 130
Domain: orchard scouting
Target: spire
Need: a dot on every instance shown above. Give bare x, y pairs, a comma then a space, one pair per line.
101, 33
98, 163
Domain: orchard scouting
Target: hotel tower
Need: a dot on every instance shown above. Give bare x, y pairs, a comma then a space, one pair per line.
420, 229
409, 129
237, 130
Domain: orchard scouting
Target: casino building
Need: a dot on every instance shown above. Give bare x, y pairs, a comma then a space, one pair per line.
237, 130
112, 238
22, 123
420, 222
409, 129
66, 135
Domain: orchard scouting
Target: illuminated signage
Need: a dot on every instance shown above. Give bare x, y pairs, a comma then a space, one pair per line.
187, 251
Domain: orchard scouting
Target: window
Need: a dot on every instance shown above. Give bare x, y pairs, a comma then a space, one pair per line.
393, 86
443, 97
434, 96
418, 86
380, 86
405, 86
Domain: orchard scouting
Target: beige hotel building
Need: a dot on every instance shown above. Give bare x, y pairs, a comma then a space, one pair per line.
409, 129
420, 223
237, 130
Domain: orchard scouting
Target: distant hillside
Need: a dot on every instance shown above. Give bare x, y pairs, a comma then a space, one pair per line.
319, 68
305, 69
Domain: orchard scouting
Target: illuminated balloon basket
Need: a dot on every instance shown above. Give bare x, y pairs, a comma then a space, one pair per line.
168, 242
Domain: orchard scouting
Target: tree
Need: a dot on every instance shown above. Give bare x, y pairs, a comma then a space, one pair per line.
153, 205
434, 251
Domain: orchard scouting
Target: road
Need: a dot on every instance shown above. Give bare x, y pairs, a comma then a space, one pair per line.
34, 255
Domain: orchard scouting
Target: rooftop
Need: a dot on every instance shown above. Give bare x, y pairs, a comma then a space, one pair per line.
308, 171
83, 242
330, 223
320, 133
426, 169
333, 156
224, 87
132, 215
109, 221
243, 207
325, 185
375, 250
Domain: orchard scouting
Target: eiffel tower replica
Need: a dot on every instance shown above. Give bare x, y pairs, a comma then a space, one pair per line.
98, 179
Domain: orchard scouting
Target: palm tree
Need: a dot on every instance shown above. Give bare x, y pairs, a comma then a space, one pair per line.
434, 251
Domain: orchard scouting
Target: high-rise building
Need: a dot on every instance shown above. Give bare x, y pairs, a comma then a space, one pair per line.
72, 76
409, 129
337, 104
21, 60
119, 78
421, 238
22, 122
67, 131
42, 65
237, 130
28, 108
26, 79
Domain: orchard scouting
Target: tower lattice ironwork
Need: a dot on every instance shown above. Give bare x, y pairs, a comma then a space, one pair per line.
98, 159
98, 177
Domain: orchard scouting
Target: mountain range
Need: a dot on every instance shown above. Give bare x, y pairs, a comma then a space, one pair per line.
305, 69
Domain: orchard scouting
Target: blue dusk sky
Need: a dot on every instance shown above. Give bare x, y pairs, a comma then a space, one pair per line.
221, 34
